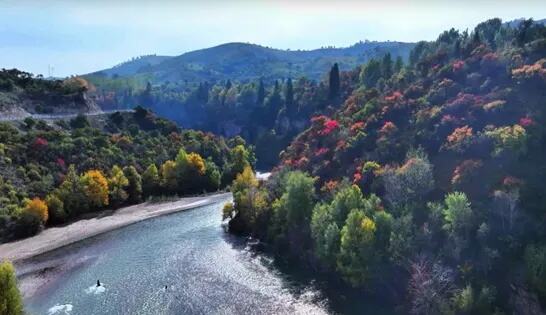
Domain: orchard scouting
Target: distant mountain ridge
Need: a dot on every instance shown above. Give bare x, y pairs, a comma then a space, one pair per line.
243, 62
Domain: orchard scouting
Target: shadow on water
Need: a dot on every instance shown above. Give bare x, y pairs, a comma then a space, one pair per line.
340, 298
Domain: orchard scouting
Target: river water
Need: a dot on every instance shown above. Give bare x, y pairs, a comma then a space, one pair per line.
182, 263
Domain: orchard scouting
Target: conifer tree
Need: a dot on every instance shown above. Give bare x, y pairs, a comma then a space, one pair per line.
334, 81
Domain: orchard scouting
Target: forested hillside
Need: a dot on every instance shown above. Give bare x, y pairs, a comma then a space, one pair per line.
51, 173
238, 89
427, 184
245, 62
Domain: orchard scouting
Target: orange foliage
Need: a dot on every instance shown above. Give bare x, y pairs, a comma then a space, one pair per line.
37, 207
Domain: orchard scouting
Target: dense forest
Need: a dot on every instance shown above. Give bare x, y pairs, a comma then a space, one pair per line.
267, 112
416, 178
51, 173
425, 186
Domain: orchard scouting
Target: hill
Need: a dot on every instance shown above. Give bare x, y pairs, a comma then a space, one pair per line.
427, 183
243, 62
135, 65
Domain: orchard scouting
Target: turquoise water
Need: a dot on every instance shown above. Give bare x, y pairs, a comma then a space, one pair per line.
206, 271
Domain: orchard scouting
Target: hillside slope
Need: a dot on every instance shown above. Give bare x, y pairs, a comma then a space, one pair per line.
427, 184
243, 62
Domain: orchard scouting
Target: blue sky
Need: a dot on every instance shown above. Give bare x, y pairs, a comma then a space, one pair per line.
79, 36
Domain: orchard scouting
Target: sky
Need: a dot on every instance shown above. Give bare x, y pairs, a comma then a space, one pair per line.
81, 36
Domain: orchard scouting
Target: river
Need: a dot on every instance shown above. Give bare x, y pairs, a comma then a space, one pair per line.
182, 263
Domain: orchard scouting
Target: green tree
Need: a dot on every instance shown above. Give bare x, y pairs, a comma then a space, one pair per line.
357, 248
10, 299
72, 194
326, 234
370, 74
295, 207
134, 189
535, 263
386, 66
260, 93
249, 202
169, 178
56, 209
459, 221
399, 64
334, 82
344, 201
289, 99
118, 184
150, 180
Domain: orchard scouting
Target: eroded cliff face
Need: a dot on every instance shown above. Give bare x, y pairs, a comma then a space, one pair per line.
19, 105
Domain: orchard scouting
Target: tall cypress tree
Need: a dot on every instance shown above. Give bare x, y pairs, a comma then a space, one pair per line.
260, 94
399, 64
289, 98
386, 66
334, 81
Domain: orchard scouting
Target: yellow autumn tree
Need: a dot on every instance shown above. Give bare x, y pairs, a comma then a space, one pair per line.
95, 187
169, 179
117, 184
37, 207
196, 162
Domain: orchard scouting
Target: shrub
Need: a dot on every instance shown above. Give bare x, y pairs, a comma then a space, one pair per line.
10, 299
37, 207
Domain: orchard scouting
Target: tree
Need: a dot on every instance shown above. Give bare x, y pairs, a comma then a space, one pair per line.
346, 200
273, 105
95, 187
249, 202
431, 287
458, 218
134, 189
150, 180
37, 207
356, 248
370, 74
410, 182
260, 94
10, 298
72, 194
326, 234
239, 159
212, 175
399, 64
535, 263
295, 206
79, 122
169, 179
55, 209
289, 99
334, 82
118, 183
196, 164
386, 66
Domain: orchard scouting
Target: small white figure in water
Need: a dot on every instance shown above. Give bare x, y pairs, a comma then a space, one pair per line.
96, 289
60, 309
